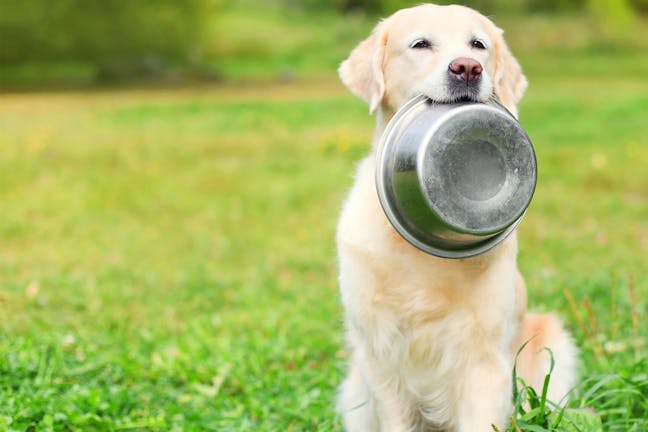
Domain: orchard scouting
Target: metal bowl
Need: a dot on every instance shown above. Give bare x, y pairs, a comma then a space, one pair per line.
455, 179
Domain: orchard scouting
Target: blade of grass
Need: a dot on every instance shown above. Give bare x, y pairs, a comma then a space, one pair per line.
517, 429
635, 319
574, 310
515, 378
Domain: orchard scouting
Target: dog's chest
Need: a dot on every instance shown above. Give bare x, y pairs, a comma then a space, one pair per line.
419, 309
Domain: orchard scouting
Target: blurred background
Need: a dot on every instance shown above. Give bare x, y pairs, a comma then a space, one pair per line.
171, 173
74, 42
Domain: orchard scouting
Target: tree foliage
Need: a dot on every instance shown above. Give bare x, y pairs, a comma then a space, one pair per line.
108, 32
488, 6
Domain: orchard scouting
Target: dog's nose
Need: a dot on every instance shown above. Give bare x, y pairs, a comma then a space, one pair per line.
465, 69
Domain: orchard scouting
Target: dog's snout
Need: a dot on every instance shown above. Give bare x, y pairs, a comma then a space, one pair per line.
465, 69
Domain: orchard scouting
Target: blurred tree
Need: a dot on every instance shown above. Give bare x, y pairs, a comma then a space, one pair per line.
612, 17
640, 5
389, 6
615, 10
121, 37
486, 6
555, 5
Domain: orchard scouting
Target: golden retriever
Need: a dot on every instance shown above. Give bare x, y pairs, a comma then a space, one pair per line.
432, 341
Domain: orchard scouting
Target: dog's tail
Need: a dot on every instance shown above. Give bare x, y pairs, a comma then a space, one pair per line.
544, 333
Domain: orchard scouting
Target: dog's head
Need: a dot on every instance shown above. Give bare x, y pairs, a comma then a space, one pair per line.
447, 53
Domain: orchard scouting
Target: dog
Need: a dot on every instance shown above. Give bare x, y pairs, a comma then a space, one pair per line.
431, 341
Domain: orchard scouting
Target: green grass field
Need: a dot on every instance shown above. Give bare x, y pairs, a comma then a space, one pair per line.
167, 256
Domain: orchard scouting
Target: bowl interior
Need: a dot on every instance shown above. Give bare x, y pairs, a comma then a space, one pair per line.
477, 169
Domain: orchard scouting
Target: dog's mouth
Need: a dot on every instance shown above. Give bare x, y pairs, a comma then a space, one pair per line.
456, 93
457, 99
465, 96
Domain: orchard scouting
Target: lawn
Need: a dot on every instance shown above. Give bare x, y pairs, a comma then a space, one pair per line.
167, 257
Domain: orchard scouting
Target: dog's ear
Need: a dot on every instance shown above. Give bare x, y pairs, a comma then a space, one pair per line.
362, 72
508, 80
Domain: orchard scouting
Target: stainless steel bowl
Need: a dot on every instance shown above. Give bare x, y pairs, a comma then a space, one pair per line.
455, 179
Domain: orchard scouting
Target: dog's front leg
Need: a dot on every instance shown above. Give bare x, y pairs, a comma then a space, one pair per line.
370, 401
486, 398
393, 409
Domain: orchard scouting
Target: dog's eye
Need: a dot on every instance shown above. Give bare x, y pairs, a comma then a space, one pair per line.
420, 44
478, 43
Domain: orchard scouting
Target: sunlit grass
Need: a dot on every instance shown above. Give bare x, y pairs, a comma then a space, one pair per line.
167, 258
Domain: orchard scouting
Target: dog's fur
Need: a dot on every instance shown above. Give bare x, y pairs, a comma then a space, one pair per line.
432, 341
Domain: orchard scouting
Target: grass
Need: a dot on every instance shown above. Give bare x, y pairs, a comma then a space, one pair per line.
167, 258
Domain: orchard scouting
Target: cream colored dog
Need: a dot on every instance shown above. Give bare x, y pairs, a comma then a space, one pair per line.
432, 341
